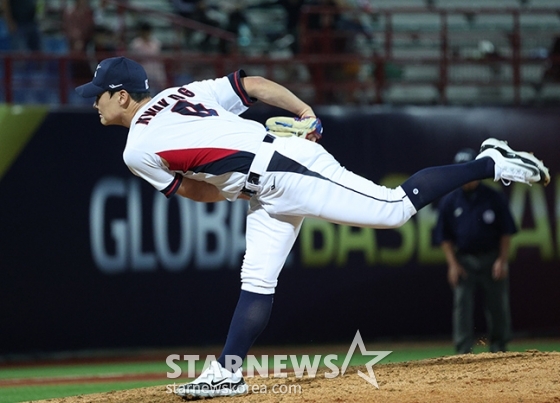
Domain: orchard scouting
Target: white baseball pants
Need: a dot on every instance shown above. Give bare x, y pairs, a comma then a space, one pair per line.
304, 180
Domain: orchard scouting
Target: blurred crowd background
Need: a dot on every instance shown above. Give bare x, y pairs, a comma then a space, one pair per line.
328, 51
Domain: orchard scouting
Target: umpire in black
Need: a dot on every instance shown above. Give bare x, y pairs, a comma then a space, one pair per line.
474, 229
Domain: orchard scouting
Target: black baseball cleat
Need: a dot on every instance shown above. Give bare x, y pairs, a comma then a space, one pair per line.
514, 166
214, 381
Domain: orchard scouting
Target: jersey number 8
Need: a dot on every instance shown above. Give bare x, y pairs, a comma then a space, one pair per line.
189, 109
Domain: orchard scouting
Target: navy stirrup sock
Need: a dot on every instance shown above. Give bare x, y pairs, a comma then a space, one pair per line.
430, 184
249, 320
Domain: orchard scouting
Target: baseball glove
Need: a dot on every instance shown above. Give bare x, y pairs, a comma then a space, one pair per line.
285, 126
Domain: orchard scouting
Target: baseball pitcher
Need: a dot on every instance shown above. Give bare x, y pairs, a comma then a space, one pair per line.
191, 141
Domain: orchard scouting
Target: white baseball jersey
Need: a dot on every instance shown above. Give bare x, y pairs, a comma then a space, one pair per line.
197, 130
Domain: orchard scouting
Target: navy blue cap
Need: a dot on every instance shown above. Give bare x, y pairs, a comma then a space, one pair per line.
116, 73
465, 155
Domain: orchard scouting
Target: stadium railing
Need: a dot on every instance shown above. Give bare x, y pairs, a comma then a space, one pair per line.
392, 55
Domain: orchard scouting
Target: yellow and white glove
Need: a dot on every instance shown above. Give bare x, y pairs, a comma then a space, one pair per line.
307, 127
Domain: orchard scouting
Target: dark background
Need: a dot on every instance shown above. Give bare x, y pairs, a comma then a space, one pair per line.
53, 297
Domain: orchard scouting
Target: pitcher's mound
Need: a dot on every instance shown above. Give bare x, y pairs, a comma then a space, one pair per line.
528, 377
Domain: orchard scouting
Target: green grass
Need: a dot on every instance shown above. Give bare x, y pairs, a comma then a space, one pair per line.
83, 370
27, 393
401, 352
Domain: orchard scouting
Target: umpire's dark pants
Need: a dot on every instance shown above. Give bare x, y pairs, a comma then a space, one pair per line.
496, 297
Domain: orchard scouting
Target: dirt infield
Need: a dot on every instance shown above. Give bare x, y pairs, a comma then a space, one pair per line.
528, 377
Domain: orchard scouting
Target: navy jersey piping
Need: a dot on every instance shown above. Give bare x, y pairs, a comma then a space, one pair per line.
172, 188
237, 162
281, 163
235, 81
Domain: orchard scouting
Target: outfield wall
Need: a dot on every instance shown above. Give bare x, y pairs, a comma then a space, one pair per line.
92, 257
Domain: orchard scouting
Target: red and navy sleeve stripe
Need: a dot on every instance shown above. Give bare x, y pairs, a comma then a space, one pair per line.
173, 186
235, 80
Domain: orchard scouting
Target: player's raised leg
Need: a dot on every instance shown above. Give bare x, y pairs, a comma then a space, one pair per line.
496, 160
340, 196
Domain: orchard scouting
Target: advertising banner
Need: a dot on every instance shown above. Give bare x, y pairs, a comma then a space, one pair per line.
93, 257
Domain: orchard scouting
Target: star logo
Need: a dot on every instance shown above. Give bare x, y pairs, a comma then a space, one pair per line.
358, 342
